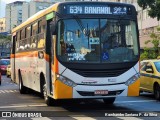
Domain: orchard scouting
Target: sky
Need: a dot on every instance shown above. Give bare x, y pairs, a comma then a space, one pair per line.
3, 5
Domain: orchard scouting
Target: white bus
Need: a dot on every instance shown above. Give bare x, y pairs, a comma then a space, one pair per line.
78, 50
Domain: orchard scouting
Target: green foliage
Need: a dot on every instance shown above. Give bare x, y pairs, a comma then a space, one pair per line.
146, 42
154, 52
153, 6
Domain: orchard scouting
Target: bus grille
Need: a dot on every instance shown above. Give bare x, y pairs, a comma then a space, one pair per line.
110, 93
100, 73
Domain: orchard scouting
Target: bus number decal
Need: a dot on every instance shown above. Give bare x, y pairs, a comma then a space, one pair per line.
75, 9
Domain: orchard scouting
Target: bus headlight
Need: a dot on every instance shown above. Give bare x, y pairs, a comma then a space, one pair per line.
132, 79
66, 81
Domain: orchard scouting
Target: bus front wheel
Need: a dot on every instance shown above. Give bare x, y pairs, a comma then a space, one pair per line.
47, 99
109, 100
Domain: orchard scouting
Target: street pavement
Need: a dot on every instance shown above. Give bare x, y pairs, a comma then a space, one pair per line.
145, 106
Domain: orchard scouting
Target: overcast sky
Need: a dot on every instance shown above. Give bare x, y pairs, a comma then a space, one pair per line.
3, 5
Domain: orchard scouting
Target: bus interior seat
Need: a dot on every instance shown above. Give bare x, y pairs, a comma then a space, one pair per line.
21, 48
27, 46
33, 45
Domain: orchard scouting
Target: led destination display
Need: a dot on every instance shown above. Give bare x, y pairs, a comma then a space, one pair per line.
96, 9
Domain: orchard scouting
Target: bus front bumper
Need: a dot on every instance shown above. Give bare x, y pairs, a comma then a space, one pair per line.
63, 91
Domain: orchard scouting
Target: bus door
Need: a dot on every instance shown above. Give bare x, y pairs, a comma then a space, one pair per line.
52, 65
50, 48
13, 74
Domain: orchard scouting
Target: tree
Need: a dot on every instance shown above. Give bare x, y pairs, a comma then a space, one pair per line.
154, 52
153, 5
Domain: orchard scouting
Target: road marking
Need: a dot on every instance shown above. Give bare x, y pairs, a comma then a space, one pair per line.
135, 101
8, 91
18, 106
129, 118
83, 118
34, 105
42, 118
11, 91
1, 91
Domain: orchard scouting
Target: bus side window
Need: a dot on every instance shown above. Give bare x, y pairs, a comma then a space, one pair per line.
34, 35
41, 28
23, 37
17, 42
28, 35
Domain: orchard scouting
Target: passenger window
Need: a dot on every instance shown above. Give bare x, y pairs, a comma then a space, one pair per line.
28, 35
23, 34
41, 36
23, 37
17, 42
34, 35
22, 41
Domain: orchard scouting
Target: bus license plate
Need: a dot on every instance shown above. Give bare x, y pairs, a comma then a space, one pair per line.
101, 92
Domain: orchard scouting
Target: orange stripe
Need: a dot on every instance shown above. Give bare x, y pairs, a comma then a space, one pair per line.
46, 57
55, 58
12, 55
56, 64
26, 54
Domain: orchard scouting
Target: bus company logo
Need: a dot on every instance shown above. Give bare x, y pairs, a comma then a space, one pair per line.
89, 82
112, 80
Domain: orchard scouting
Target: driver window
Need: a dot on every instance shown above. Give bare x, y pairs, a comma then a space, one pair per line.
149, 66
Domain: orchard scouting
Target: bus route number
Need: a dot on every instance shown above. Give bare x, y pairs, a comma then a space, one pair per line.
75, 9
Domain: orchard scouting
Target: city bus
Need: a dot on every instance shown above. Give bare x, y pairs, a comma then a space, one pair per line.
78, 50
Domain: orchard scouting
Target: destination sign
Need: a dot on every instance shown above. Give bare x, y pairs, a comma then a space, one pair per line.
95, 9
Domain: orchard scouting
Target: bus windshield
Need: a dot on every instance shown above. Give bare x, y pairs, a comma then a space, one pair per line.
97, 40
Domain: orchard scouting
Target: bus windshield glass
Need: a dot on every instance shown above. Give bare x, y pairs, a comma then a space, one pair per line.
97, 40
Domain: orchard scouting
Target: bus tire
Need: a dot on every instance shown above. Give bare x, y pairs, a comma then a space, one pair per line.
109, 100
22, 89
157, 91
47, 99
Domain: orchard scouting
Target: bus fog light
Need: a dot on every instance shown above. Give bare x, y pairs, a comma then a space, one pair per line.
66, 81
132, 79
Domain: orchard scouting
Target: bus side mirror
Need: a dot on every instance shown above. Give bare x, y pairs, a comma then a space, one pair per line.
53, 27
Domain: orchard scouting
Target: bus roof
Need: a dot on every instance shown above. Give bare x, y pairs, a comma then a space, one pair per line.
54, 7
36, 16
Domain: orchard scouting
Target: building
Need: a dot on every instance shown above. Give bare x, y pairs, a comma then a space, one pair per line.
2, 25
35, 6
19, 11
13, 15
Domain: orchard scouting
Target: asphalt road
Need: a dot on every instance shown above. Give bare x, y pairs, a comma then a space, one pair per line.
31, 105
